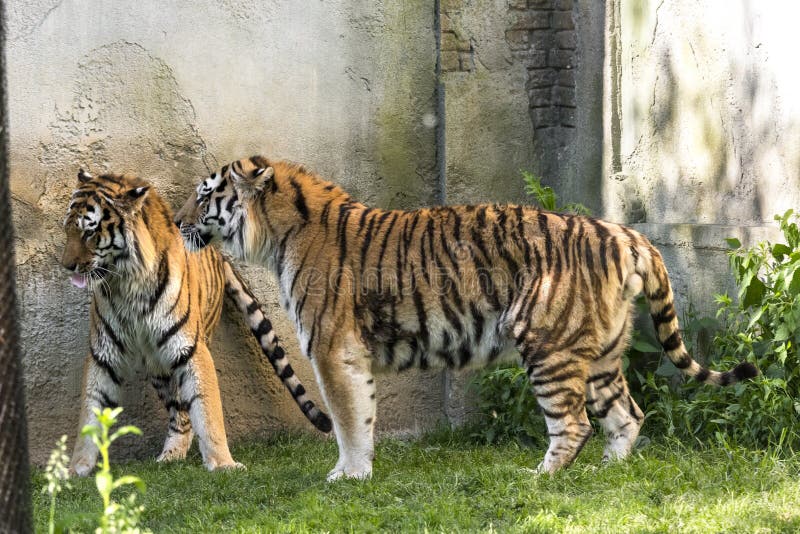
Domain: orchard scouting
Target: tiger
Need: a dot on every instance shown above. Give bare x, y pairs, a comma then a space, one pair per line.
155, 303
448, 286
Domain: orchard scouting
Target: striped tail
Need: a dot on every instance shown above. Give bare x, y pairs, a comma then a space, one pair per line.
262, 329
658, 291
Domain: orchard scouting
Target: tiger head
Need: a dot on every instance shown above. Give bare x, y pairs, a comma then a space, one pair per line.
225, 207
100, 226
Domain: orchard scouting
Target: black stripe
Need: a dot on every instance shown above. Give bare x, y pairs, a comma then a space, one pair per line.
564, 375
367, 238
174, 328
702, 375
665, 315
480, 217
658, 294
422, 316
187, 353
607, 404
107, 329
106, 401
106, 366
163, 279
684, 361
616, 257
383, 247
602, 376
287, 372
450, 315
263, 328
300, 199
672, 342
548, 243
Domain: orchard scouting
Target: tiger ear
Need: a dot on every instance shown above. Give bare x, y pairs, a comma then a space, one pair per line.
252, 186
262, 176
135, 197
84, 176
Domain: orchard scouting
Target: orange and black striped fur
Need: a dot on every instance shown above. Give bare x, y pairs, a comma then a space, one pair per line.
155, 304
448, 286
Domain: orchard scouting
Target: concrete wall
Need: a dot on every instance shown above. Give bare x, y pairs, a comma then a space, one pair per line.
703, 128
170, 90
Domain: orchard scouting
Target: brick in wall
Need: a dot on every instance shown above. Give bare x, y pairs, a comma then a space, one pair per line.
542, 37
457, 52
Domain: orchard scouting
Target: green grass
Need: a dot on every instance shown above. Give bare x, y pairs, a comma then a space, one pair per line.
447, 482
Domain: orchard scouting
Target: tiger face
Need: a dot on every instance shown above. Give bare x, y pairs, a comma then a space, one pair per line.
218, 209
99, 218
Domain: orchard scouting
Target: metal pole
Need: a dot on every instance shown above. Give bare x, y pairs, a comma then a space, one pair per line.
15, 508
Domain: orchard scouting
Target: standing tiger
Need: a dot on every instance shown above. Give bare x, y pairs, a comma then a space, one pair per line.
448, 286
154, 302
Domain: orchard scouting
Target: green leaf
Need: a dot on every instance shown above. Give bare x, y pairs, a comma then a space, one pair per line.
794, 285
754, 293
667, 368
782, 333
104, 482
779, 250
90, 430
643, 346
129, 429
129, 479
733, 242
755, 317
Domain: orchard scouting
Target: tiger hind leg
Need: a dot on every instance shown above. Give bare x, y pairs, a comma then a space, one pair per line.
200, 397
179, 430
559, 383
609, 399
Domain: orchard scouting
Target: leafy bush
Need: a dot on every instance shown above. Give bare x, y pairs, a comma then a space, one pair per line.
507, 407
760, 326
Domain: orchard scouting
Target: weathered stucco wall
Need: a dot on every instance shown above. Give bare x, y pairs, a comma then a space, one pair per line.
679, 117
170, 90
703, 128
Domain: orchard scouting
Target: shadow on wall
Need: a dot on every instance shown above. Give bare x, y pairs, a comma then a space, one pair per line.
709, 119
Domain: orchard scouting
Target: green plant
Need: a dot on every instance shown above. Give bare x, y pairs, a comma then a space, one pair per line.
507, 406
116, 517
760, 325
546, 198
56, 473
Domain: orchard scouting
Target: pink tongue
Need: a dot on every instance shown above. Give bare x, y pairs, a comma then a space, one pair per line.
78, 280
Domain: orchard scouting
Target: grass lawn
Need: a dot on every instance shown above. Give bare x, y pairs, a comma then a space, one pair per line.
447, 482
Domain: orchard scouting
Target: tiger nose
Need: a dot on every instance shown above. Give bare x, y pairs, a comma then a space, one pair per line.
70, 266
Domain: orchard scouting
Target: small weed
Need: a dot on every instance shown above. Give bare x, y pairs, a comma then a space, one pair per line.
115, 517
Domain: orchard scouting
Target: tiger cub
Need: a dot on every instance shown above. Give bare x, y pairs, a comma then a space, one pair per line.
154, 302
447, 286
